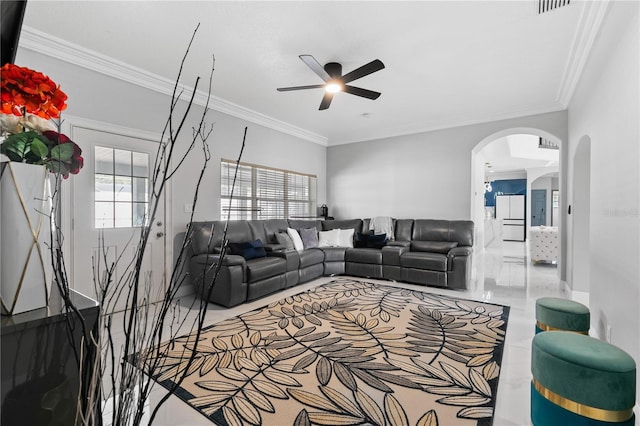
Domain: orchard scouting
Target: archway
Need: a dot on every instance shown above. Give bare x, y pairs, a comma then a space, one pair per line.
580, 217
477, 187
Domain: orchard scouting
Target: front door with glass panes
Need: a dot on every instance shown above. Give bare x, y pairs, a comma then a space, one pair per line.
110, 205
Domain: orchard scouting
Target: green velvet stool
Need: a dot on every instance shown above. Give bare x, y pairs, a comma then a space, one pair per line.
553, 313
580, 381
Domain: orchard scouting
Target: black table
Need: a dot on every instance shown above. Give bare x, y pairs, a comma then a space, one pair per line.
40, 375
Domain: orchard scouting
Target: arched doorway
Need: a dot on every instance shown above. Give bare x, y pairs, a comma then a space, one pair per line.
579, 218
477, 187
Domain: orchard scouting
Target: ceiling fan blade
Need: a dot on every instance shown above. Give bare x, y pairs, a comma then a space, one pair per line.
367, 69
315, 67
326, 101
369, 94
288, 89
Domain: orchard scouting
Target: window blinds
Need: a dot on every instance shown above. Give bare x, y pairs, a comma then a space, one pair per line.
265, 193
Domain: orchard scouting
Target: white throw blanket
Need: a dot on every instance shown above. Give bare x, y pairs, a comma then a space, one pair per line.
382, 225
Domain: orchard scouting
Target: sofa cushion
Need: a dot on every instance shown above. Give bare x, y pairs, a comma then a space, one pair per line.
404, 229
309, 237
328, 238
258, 231
295, 237
334, 254
248, 249
364, 255
433, 246
356, 224
206, 237
273, 227
284, 239
304, 223
311, 257
424, 260
443, 230
265, 267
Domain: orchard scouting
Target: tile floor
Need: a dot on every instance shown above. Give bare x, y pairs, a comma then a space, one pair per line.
502, 274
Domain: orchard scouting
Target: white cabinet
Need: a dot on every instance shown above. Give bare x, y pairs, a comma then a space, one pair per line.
511, 209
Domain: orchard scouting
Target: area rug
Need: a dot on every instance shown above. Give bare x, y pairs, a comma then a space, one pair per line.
348, 352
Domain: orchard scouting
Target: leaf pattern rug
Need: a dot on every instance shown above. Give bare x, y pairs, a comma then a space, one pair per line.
348, 352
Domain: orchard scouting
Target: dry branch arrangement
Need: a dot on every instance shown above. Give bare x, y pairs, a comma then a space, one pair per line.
114, 379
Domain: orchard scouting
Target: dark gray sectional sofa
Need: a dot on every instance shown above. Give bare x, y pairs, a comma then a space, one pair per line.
424, 251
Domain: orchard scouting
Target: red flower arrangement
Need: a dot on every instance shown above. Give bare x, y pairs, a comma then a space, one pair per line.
29, 94
27, 91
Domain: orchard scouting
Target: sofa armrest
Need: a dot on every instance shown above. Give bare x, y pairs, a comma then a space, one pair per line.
291, 256
273, 247
391, 254
211, 259
459, 267
230, 287
398, 244
459, 251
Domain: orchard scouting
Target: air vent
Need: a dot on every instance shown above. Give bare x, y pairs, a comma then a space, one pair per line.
547, 144
549, 5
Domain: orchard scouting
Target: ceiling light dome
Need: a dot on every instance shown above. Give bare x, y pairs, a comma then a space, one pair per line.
333, 87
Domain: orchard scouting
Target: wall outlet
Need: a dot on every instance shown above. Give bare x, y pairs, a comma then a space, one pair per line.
187, 207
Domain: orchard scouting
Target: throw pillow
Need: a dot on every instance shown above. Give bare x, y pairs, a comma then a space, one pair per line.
345, 237
309, 237
328, 238
295, 237
284, 239
361, 240
377, 241
249, 249
433, 246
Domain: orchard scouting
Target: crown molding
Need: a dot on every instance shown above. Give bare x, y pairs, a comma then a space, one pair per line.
589, 24
57, 48
460, 121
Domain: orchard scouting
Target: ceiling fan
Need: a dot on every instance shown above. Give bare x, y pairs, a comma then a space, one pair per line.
335, 82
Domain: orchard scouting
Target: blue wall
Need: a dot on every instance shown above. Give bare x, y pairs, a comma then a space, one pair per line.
505, 187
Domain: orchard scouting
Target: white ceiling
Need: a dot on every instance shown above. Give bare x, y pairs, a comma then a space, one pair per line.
447, 63
517, 153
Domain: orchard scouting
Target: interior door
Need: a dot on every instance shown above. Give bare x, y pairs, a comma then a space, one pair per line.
538, 207
111, 197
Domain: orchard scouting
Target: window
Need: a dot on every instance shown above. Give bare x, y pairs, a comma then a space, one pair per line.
121, 188
265, 193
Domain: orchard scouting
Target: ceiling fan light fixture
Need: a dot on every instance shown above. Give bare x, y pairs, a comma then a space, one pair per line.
333, 87
335, 81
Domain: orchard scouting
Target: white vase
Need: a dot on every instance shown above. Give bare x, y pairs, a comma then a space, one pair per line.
25, 226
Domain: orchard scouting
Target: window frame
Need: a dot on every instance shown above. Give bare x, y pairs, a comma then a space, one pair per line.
248, 207
116, 221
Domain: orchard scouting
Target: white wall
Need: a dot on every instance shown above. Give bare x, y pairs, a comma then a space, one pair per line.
425, 175
98, 97
605, 107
